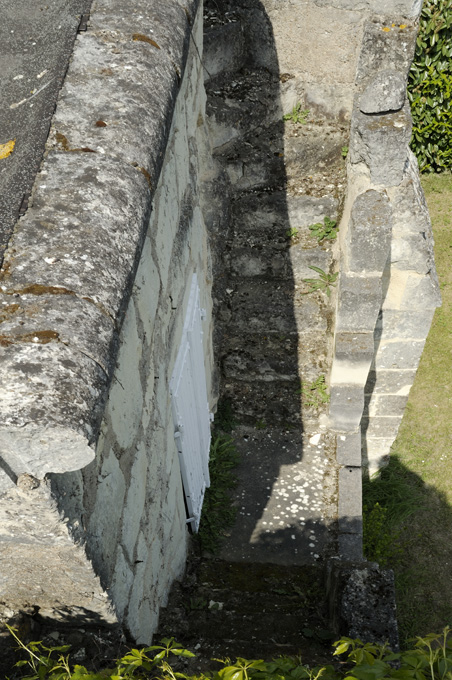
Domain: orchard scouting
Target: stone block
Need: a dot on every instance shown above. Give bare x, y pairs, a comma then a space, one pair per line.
386, 405
136, 594
399, 354
362, 602
390, 381
346, 407
139, 107
381, 141
404, 8
352, 358
407, 324
105, 520
85, 249
135, 500
376, 453
146, 291
385, 93
350, 547
302, 259
121, 584
50, 407
350, 505
381, 427
125, 400
369, 234
359, 303
348, 449
412, 252
421, 292
392, 49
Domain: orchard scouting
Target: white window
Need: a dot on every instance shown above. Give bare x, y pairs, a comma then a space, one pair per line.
191, 409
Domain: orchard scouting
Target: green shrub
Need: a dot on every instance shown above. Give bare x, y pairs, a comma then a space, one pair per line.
430, 87
430, 658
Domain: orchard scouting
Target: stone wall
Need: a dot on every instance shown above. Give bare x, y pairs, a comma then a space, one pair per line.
388, 286
95, 287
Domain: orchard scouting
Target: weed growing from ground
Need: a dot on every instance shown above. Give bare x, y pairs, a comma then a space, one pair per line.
297, 115
292, 232
324, 283
429, 657
218, 514
327, 230
315, 394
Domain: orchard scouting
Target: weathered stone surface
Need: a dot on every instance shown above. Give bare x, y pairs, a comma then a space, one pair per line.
422, 292
350, 500
384, 49
383, 427
369, 235
51, 433
359, 303
376, 453
399, 354
223, 48
381, 141
408, 8
346, 407
35, 541
408, 324
350, 547
354, 347
390, 381
348, 448
274, 308
363, 602
386, 405
385, 93
136, 109
74, 238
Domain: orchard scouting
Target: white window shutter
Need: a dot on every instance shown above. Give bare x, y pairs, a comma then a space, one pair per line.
191, 409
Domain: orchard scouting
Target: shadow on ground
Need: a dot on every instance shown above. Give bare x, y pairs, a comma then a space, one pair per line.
411, 534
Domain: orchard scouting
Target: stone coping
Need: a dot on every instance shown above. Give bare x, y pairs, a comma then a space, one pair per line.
70, 264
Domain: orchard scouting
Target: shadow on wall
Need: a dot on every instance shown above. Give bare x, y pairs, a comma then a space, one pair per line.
274, 339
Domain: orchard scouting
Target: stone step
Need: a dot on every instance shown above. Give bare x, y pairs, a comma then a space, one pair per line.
251, 357
248, 610
240, 103
223, 44
269, 220
271, 404
284, 497
278, 156
291, 261
270, 214
265, 307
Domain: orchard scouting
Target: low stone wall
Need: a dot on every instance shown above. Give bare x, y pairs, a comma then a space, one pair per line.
94, 288
388, 286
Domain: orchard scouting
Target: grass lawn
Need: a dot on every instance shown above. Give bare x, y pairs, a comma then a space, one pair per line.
415, 491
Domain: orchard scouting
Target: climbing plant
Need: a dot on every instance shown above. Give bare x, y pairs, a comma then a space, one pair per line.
430, 88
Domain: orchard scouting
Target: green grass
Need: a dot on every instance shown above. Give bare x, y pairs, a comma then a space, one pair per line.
416, 488
218, 513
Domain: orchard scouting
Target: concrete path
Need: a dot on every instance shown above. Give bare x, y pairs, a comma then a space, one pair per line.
37, 38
